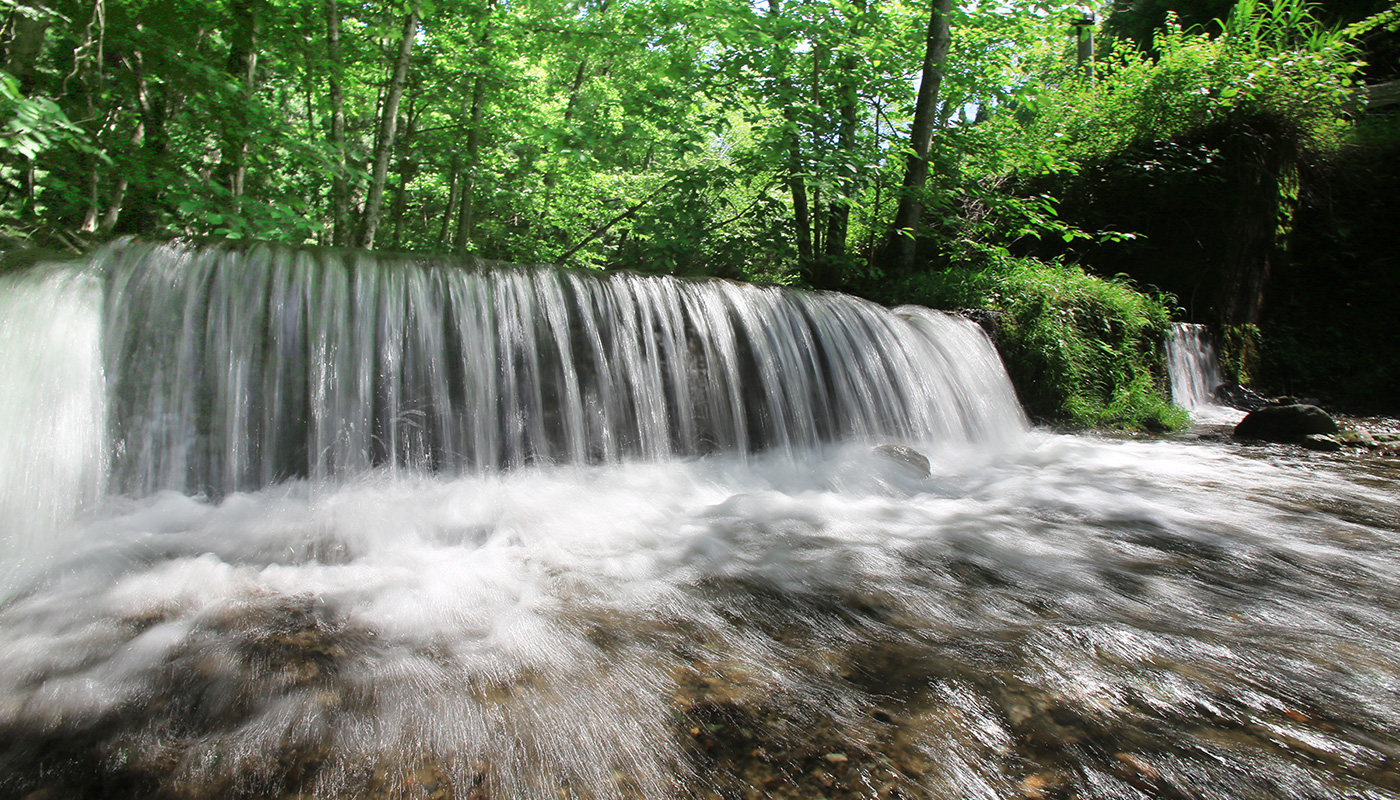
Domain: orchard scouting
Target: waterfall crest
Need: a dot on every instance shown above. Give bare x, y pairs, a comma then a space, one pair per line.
231, 368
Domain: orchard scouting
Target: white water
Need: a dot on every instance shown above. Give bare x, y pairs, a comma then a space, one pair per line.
1195, 374
533, 629
1036, 606
52, 454
232, 369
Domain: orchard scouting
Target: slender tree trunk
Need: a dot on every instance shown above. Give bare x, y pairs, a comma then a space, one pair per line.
242, 67
874, 214
388, 128
114, 206
839, 215
340, 184
88, 63
820, 52
465, 211
449, 214
800, 213
906, 220
94, 190
140, 214
796, 184
466, 214
575, 92
407, 169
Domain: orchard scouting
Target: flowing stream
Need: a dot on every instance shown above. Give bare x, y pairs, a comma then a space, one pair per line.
292, 524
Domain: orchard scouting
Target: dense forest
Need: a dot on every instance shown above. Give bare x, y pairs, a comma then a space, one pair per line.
1083, 173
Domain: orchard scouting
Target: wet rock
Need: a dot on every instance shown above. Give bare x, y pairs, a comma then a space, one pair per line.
1241, 397
1359, 438
908, 457
1321, 443
1040, 786
987, 319
1285, 423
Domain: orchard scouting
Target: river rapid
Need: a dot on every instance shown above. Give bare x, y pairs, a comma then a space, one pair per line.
1067, 616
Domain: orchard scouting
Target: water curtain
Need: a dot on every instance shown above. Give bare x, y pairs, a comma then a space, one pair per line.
1193, 366
230, 368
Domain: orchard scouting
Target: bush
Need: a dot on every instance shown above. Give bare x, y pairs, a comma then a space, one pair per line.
1081, 350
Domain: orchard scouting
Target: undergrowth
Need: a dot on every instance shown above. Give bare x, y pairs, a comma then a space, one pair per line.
1081, 350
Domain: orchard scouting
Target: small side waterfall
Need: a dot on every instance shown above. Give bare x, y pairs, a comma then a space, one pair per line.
1195, 374
1193, 365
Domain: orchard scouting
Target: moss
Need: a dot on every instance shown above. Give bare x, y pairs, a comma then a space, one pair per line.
1081, 350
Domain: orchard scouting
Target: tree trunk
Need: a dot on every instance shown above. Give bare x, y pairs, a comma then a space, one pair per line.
1258, 159
839, 215
340, 185
140, 214
466, 208
575, 91
906, 221
242, 67
88, 67
388, 128
450, 212
407, 169
796, 184
26, 43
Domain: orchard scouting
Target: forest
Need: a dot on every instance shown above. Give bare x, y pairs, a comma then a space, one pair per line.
1081, 173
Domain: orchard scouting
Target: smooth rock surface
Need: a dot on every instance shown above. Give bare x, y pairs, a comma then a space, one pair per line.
1285, 423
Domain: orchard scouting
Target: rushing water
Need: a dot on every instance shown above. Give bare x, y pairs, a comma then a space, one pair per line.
791, 615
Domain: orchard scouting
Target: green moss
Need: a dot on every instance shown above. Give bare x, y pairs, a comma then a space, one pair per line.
1081, 350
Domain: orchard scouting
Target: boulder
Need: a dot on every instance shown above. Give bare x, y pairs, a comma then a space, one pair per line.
1285, 423
907, 457
1359, 438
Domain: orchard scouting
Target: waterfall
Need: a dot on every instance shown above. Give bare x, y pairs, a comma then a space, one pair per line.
53, 454
1195, 374
211, 370
1192, 365
233, 368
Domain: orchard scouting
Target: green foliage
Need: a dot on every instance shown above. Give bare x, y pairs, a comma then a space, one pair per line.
762, 141
1239, 352
1081, 350
32, 126
1273, 60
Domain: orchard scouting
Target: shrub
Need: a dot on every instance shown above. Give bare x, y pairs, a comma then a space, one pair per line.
1081, 350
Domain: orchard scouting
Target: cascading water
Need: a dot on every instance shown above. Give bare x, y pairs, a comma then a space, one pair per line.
232, 369
305, 524
1195, 374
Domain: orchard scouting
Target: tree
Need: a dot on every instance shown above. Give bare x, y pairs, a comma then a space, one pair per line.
906, 220
388, 128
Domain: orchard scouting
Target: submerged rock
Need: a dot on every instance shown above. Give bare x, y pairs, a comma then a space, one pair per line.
1286, 423
907, 456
